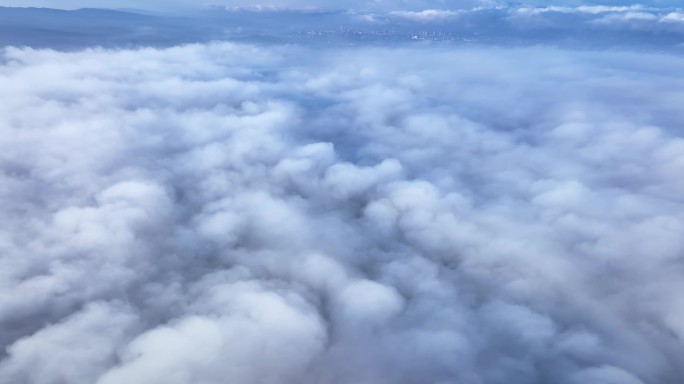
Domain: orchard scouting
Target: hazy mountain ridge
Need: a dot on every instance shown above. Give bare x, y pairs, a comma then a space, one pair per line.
588, 26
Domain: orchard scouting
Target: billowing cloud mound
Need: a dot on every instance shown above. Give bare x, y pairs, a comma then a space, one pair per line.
230, 214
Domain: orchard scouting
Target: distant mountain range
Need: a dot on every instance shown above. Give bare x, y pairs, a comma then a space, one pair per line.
584, 26
42, 27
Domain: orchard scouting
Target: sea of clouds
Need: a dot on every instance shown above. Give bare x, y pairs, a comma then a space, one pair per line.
226, 213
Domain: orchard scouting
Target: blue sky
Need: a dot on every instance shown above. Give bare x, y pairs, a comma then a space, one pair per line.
353, 4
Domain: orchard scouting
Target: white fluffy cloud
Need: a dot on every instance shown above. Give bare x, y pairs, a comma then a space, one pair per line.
228, 213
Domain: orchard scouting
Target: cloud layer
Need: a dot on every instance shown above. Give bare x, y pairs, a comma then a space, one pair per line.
228, 213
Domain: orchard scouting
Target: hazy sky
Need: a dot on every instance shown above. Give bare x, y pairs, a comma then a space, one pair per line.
166, 4
355, 4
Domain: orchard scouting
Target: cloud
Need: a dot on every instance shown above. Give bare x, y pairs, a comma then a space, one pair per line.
674, 17
590, 9
426, 15
417, 214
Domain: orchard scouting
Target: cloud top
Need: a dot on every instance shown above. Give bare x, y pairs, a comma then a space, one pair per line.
225, 212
